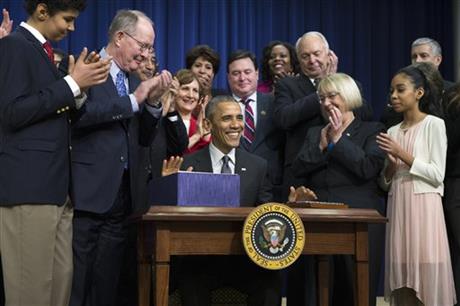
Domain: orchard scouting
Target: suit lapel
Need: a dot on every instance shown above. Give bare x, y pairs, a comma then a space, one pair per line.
262, 114
305, 85
109, 87
350, 131
240, 164
36, 44
133, 82
111, 90
203, 161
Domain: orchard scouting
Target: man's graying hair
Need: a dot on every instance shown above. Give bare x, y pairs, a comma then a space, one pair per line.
312, 33
212, 105
126, 21
434, 45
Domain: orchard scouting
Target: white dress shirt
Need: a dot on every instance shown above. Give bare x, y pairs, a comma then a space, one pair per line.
216, 159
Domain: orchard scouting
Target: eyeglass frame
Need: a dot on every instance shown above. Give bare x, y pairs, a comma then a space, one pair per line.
142, 46
331, 95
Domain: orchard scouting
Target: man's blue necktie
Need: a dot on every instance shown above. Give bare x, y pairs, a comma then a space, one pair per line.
120, 84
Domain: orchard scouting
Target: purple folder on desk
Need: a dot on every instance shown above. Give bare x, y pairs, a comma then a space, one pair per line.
196, 189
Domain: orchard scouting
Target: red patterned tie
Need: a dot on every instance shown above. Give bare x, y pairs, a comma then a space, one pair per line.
249, 124
49, 50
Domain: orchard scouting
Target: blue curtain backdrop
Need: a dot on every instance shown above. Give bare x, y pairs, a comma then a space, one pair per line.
371, 38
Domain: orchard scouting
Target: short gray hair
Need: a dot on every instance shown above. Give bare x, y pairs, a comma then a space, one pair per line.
126, 21
312, 33
434, 45
212, 105
344, 85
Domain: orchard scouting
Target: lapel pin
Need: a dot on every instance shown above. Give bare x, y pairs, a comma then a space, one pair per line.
243, 169
263, 113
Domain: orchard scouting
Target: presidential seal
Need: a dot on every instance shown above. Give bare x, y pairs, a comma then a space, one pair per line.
273, 236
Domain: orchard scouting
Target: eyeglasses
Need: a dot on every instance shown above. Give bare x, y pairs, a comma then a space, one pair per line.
329, 95
142, 46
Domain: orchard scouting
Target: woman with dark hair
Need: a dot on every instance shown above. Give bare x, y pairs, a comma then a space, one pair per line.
204, 62
184, 95
418, 267
279, 59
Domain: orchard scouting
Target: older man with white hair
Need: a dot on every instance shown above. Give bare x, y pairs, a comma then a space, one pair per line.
296, 107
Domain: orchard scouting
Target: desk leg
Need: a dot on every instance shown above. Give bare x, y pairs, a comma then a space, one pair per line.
323, 280
362, 266
161, 284
162, 260
145, 282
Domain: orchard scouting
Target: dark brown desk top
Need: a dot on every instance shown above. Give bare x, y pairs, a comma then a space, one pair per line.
182, 213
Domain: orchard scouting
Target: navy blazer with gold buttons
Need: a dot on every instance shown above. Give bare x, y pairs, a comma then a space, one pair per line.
34, 124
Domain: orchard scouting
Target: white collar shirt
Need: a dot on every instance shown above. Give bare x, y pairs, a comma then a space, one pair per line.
216, 159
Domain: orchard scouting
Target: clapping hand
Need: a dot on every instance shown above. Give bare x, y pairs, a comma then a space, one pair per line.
324, 141
153, 88
336, 124
389, 146
202, 128
93, 57
89, 70
282, 74
168, 97
163, 80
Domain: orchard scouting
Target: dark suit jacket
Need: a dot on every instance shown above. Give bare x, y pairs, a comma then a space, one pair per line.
34, 126
218, 92
269, 140
348, 173
452, 178
453, 147
171, 139
254, 185
297, 109
106, 136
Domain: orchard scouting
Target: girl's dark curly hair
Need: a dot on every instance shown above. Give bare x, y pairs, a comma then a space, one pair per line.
429, 103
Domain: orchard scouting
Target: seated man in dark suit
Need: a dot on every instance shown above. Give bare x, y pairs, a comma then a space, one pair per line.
198, 275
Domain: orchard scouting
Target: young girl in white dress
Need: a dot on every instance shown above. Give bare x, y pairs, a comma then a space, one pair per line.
418, 268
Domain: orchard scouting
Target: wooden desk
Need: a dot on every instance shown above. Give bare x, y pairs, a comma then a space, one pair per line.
172, 230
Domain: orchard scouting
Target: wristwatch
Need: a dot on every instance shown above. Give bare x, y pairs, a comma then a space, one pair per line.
155, 104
